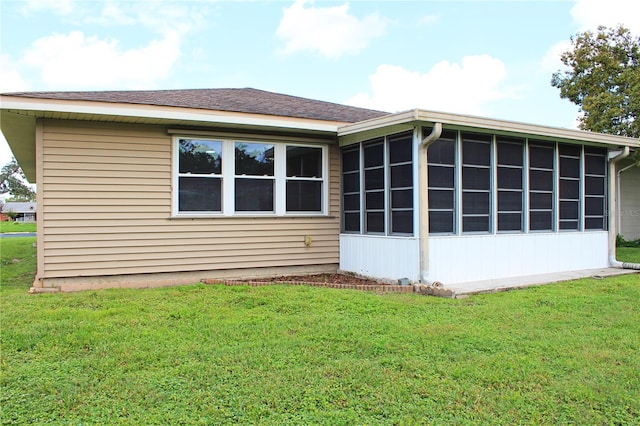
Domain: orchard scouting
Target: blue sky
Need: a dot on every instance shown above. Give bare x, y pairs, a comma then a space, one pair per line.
493, 59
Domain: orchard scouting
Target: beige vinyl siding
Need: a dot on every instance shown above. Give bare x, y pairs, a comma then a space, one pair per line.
106, 210
629, 202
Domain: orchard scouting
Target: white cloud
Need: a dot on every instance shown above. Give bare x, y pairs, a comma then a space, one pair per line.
464, 88
551, 61
10, 78
60, 7
428, 19
74, 61
328, 31
589, 14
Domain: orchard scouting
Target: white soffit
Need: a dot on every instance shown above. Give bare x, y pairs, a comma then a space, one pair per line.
349, 133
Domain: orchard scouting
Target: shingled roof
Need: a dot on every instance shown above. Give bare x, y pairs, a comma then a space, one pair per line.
246, 100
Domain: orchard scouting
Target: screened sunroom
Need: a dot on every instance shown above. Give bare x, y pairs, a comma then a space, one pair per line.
453, 199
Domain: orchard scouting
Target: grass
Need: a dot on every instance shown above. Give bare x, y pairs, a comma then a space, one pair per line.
628, 254
558, 354
7, 226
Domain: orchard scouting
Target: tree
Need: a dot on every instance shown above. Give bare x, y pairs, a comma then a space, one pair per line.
603, 79
13, 181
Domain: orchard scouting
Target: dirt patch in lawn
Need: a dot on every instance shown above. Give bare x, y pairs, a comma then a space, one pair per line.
323, 278
342, 281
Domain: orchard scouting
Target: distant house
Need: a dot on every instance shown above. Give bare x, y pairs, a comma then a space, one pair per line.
151, 188
628, 183
25, 212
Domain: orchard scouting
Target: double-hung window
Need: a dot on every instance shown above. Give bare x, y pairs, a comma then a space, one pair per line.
304, 179
199, 175
254, 177
228, 177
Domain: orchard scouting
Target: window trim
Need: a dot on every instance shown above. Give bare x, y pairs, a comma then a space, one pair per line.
228, 177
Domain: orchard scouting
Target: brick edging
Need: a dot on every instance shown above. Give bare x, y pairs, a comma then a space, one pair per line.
382, 288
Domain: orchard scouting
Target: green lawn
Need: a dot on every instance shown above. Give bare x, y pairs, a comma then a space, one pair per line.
7, 226
557, 354
628, 254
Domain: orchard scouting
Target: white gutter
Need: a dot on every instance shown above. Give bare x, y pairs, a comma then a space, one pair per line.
423, 188
613, 212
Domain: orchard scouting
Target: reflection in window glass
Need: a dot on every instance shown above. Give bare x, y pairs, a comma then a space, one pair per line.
200, 156
254, 159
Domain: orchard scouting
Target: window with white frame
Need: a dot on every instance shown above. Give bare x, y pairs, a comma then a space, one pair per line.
228, 177
377, 186
199, 175
304, 179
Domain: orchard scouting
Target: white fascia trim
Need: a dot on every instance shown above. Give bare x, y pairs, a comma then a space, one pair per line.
469, 121
160, 112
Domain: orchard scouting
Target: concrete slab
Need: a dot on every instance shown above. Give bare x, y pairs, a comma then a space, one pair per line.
503, 284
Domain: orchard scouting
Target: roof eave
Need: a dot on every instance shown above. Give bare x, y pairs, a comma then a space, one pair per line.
171, 114
417, 116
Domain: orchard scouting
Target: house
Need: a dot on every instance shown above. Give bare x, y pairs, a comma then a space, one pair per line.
153, 188
24, 211
628, 184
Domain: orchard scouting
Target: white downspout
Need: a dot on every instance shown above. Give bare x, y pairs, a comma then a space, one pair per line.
613, 213
423, 188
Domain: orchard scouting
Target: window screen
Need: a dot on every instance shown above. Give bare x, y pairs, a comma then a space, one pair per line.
476, 182
541, 186
569, 186
374, 187
441, 157
351, 189
595, 167
510, 152
401, 184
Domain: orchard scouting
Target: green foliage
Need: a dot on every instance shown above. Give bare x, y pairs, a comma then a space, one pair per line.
556, 354
13, 181
603, 78
621, 242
